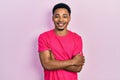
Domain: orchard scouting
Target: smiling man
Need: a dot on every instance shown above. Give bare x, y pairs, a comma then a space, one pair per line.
60, 49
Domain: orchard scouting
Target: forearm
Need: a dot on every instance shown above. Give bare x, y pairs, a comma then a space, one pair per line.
56, 64
74, 68
77, 67
50, 63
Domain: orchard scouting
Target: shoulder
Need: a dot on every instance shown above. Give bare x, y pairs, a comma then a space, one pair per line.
45, 34
75, 35
77, 38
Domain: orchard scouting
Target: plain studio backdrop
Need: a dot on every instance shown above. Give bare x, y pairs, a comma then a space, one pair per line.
21, 22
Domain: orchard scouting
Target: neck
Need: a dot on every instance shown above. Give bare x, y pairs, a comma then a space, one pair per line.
61, 32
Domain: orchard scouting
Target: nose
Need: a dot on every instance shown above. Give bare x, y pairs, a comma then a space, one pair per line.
60, 19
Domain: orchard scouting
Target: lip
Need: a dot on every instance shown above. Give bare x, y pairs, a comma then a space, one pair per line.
60, 24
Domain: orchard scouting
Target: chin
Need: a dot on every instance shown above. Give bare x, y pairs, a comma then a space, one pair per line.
61, 28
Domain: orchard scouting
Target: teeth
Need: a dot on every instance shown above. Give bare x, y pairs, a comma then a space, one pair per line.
60, 24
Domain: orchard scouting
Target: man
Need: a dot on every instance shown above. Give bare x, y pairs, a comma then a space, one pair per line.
60, 49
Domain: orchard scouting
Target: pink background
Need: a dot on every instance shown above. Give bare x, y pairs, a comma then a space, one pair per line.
21, 21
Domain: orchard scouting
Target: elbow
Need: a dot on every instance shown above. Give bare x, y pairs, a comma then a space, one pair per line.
46, 66
79, 69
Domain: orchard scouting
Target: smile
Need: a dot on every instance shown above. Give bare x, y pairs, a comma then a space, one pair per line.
60, 24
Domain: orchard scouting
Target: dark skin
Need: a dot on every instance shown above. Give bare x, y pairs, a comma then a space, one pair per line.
61, 19
74, 68
48, 62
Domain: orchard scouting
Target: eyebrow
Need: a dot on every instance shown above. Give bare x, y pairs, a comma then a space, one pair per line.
63, 14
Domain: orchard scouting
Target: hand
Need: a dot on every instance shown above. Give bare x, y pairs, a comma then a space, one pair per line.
78, 60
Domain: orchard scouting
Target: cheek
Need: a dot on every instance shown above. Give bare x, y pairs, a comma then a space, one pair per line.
67, 20
55, 20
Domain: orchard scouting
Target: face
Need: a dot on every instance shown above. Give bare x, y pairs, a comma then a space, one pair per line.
61, 18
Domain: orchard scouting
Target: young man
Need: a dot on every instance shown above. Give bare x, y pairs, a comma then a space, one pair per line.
60, 49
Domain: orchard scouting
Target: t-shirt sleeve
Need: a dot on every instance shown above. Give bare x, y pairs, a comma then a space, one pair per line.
78, 45
42, 43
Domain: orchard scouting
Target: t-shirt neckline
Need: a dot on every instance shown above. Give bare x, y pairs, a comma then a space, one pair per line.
61, 36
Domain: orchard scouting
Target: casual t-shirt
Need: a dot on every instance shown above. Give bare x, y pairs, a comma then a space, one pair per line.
63, 48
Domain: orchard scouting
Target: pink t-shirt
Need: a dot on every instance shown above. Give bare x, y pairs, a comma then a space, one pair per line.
63, 48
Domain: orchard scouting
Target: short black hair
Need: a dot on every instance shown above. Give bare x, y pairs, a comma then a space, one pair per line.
61, 5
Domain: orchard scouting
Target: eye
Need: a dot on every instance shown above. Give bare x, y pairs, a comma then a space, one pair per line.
56, 16
65, 16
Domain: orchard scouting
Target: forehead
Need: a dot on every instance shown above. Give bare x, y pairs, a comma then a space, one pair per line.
61, 11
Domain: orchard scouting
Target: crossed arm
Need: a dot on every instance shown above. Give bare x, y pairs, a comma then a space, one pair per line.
49, 63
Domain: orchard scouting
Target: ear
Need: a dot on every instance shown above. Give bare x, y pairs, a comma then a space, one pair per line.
70, 18
52, 18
